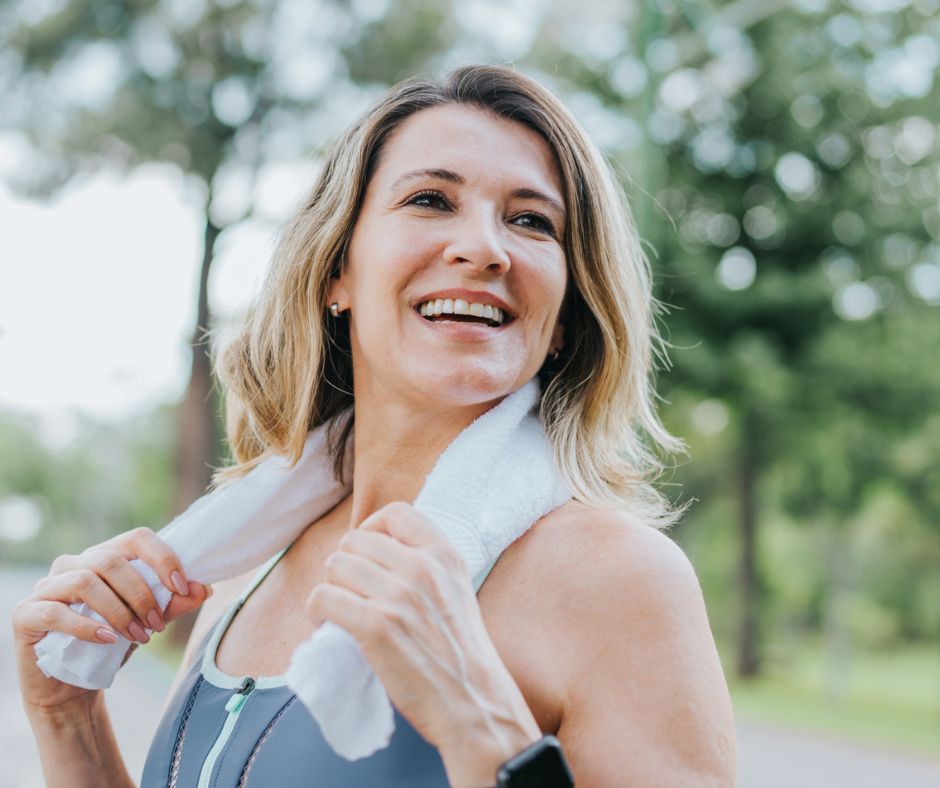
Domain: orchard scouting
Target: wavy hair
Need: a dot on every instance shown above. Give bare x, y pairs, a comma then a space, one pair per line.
289, 369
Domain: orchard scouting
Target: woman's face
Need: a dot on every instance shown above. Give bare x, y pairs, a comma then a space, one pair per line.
465, 211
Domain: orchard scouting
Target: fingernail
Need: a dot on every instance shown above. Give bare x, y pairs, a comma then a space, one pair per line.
155, 621
138, 632
105, 635
179, 584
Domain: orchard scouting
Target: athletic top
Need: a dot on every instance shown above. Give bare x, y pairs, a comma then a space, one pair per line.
223, 731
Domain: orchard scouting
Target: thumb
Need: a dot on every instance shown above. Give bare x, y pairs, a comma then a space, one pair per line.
181, 605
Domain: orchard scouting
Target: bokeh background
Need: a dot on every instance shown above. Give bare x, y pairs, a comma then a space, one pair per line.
783, 163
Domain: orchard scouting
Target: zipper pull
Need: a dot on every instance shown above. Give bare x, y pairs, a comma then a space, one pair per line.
237, 700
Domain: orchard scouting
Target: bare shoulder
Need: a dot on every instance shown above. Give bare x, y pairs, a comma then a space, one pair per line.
646, 698
607, 540
604, 555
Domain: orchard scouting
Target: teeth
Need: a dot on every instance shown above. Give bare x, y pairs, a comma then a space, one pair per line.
458, 306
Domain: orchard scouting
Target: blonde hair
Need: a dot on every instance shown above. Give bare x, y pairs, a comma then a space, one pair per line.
289, 369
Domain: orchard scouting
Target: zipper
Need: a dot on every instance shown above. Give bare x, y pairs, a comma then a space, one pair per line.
233, 706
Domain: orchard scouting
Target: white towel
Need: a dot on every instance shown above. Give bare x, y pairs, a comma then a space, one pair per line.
487, 488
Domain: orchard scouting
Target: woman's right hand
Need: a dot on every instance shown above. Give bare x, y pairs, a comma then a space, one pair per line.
102, 578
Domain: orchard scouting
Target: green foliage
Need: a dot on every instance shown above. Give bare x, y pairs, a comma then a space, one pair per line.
109, 478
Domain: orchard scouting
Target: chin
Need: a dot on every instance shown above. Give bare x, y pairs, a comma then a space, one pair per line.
468, 384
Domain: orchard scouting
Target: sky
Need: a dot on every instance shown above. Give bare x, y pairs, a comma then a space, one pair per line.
98, 290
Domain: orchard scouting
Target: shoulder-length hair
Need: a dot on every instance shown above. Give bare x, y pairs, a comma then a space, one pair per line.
289, 369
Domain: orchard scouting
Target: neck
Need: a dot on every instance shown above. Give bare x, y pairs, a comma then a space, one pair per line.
396, 444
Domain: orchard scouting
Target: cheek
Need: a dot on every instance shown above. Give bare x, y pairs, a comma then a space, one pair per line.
550, 279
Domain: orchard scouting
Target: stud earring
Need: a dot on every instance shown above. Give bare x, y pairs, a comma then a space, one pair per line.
334, 309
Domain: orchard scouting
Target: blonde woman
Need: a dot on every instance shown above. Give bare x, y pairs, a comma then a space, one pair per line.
461, 239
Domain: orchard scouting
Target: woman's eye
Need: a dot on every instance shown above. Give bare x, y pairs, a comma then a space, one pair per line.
428, 200
537, 222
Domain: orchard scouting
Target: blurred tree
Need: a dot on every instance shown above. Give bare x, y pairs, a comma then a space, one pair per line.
780, 155
123, 83
108, 478
770, 175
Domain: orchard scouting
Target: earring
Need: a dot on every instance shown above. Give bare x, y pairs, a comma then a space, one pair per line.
334, 309
555, 356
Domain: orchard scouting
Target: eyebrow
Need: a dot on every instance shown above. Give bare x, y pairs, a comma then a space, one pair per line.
453, 177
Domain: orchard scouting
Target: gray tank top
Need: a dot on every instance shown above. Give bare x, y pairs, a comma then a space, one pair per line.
222, 731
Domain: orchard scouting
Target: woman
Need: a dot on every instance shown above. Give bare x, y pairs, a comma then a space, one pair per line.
480, 191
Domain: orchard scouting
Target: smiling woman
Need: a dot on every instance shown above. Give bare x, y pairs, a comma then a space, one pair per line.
463, 240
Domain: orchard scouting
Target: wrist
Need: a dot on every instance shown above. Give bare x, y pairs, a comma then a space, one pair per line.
473, 760
70, 714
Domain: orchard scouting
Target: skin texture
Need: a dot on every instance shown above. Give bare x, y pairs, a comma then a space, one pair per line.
590, 626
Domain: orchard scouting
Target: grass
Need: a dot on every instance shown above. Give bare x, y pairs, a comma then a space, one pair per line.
889, 700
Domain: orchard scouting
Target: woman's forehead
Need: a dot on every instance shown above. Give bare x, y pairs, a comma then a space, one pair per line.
468, 141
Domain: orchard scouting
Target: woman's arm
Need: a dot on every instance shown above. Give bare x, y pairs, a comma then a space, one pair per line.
647, 703
77, 747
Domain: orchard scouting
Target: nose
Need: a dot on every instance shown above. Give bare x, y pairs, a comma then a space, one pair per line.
476, 242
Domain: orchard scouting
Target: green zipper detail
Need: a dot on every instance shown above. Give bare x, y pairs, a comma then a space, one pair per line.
233, 706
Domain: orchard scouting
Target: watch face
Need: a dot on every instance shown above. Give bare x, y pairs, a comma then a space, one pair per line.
539, 766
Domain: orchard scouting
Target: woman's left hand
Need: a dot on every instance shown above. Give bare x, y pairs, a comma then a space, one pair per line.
402, 590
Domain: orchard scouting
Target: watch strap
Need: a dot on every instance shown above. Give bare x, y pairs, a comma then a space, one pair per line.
540, 765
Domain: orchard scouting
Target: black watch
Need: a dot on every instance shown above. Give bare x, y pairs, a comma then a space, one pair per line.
540, 765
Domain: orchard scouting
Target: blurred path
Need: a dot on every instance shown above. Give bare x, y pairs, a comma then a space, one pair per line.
766, 758
769, 758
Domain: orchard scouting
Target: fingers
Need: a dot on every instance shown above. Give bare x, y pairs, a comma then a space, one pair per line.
140, 543
144, 544
85, 585
115, 569
413, 528
418, 566
103, 579
405, 523
361, 576
33, 619
385, 550
181, 605
356, 615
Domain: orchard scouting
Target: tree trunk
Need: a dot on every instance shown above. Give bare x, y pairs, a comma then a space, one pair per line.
197, 447
197, 435
837, 639
748, 654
